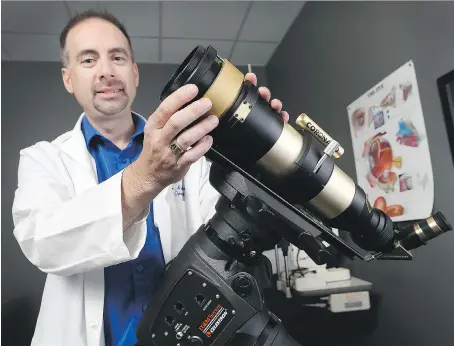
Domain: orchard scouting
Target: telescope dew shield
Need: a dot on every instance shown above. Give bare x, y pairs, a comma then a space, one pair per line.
252, 134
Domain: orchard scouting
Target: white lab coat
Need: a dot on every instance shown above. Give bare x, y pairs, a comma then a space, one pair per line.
70, 227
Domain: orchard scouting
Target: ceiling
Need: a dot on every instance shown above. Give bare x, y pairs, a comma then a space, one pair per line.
161, 32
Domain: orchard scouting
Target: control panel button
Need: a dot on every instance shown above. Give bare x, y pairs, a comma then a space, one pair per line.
195, 340
242, 285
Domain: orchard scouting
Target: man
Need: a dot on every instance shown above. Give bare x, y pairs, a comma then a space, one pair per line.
95, 209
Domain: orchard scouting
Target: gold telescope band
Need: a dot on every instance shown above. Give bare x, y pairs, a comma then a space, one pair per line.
317, 132
225, 89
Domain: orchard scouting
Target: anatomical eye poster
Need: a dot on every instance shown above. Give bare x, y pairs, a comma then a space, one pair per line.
390, 146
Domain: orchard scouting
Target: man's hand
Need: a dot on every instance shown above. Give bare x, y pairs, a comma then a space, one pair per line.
266, 94
157, 163
158, 166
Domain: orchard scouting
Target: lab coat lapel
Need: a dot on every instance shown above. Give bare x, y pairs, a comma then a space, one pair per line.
77, 158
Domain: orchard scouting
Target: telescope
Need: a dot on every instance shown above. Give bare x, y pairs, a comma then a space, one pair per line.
211, 293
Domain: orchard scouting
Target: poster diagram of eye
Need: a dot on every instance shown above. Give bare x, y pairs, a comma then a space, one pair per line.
391, 151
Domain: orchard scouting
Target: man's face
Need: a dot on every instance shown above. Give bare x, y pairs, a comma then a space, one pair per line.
100, 71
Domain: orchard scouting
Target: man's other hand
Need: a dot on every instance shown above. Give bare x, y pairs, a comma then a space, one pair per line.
266, 95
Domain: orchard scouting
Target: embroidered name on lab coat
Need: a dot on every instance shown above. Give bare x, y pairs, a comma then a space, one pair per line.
179, 191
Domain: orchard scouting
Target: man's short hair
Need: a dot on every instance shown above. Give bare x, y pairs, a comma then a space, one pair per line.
79, 18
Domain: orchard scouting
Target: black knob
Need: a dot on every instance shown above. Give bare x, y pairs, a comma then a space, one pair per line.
242, 285
195, 340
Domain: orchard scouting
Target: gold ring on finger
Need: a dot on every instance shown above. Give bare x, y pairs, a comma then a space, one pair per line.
175, 148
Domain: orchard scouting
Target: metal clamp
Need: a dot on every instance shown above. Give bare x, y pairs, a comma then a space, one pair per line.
243, 111
329, 151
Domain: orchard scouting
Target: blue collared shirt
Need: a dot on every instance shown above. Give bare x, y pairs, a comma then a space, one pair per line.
129, 285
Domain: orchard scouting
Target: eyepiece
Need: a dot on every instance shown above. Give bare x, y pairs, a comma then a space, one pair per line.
420, 233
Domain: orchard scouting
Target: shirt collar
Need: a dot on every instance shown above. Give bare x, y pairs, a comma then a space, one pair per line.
91, 133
